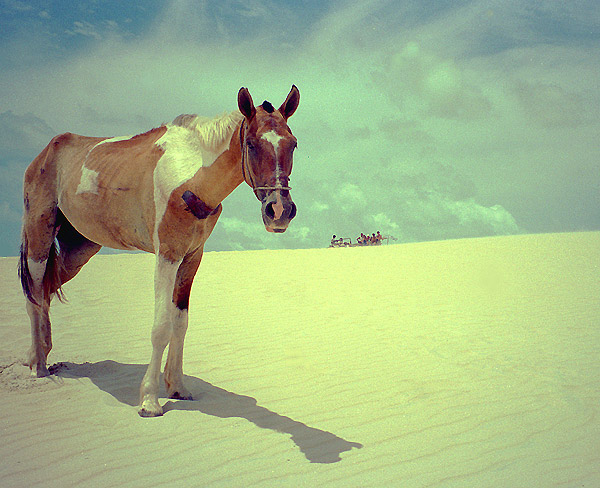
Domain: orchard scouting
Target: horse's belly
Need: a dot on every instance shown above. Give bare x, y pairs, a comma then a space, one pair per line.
109, 220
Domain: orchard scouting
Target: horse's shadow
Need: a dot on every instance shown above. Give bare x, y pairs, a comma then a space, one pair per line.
119, 379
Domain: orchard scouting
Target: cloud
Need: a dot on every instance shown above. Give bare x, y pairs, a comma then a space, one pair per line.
350, 197
223, 22
382, 222
238, 231
235, 234
22, 136
551, 105
475, 220
85, 29
421, 83
16, 6
434, 119
9, 214
319, 206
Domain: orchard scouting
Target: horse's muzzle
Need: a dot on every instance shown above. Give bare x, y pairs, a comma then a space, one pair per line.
277, 211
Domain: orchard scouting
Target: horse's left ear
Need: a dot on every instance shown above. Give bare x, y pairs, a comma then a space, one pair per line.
245, 104
290, 105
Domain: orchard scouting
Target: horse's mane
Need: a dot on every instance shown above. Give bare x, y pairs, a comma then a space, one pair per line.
214, 132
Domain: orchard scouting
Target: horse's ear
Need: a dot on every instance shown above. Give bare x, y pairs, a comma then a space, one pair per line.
245, 104
290, 105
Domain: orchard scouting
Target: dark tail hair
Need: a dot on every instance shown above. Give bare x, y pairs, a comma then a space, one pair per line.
52, 281
24, 274
54, 268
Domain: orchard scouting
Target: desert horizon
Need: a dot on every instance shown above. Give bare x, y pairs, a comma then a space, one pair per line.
455, 363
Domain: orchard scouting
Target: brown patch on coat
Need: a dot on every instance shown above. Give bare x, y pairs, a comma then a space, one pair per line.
197, 206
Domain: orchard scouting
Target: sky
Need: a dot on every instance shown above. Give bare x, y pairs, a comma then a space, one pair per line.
422, 119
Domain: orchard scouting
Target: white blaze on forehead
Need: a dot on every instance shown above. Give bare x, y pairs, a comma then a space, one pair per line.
274, 138
88, 182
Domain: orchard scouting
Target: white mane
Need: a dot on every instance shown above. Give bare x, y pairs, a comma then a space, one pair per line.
213, 133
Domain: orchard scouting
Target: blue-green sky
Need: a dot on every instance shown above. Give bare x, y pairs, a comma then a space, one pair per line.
422, 119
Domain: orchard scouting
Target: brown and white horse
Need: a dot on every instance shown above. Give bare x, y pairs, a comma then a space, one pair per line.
159, 192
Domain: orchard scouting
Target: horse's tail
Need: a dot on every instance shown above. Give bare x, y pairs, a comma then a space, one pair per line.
54, 268
24, 274
52, 282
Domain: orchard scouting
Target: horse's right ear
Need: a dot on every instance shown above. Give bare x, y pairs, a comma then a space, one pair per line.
290, 105
245, 104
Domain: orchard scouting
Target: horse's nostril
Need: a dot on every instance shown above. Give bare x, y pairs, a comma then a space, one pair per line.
269, 212
284, 212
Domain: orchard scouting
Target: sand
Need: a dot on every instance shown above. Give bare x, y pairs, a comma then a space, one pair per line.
467, 363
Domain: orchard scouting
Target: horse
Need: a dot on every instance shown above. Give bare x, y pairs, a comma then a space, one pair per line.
159, 192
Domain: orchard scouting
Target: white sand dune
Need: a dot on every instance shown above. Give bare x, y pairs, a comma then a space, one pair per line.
470, 363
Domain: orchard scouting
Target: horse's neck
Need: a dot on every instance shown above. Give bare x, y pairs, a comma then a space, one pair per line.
215, 182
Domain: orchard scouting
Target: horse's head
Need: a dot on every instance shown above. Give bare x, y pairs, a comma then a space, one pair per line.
267, 147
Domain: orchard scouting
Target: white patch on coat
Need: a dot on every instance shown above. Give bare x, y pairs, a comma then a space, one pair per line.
89, 177
274, 139
187, 148
36, 270
183, 156
165, 272
88, 182
112, 139
166, 314
165, 311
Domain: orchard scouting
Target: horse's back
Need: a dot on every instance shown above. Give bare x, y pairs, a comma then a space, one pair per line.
102, 185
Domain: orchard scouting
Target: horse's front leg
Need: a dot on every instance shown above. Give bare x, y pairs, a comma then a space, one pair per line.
166, 314
174, 367
181, 295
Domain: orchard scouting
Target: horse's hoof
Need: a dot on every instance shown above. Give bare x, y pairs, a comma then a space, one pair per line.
143, 412
150, 409
181, 395
41, 371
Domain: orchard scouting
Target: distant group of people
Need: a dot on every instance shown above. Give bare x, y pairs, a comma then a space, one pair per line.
362, 240
372, 240
337, 242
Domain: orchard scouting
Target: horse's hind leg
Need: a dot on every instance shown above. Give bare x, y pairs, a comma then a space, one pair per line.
44, 271
41, 336
38, 263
